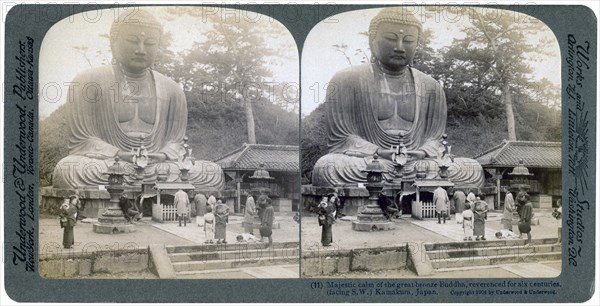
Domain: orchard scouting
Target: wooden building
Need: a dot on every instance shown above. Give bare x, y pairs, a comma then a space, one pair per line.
282, 163
542, 159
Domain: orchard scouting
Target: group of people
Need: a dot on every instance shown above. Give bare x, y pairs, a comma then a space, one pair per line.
215, 224
474, 216
524, 209
266, 214
211, 214
471, 212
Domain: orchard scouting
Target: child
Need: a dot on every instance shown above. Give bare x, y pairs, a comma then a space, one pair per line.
245, 237
467, 222
504, 234
209, 225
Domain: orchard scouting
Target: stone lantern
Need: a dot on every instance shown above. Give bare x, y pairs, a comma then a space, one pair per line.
261, 185
520, 176
372, 218
112, 220
261, 180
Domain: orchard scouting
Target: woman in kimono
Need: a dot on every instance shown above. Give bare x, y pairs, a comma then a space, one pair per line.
249, 214
467, 223
268, 217
221, 220
327, 219
68, 220
507, 214
209, 225
480, 210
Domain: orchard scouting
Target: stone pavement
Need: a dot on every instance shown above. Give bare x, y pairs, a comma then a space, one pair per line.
288, 231
412, 230
148, 232
281, 271
546, 229
346, 238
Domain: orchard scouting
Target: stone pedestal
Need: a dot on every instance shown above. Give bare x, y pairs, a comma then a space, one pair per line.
371, 218
112, 220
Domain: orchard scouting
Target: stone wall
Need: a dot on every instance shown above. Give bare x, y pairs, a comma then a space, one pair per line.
81, 264
321, 262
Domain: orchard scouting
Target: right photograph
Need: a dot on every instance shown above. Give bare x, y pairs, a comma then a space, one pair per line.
431, 145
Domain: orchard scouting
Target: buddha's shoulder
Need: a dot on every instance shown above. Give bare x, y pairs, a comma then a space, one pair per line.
423, 77
353, 71
96, 74
166, 81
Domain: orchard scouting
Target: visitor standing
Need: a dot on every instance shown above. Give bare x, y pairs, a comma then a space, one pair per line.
442, 203
200, 204
525, 216
221, 220
249, 213
480, 210
459, 198
467, 223
327, 219
209, 225
182, 203
268, 217
507, 214
68, 220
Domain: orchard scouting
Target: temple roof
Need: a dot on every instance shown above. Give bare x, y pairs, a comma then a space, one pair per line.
535, 154
250, 156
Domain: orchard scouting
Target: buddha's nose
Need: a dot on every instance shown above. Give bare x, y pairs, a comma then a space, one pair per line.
399, 46
141, 50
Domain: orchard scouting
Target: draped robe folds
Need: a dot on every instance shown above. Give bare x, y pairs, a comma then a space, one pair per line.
95, 135
355, 133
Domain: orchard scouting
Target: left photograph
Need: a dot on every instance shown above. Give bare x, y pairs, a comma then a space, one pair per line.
168, 145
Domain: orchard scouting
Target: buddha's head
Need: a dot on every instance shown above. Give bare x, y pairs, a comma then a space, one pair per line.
393, 37
134, 40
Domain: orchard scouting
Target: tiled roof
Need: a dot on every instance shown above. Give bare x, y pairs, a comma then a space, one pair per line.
251, 156
535, 154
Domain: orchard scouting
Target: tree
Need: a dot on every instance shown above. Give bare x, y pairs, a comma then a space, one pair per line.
231, 65
495, 54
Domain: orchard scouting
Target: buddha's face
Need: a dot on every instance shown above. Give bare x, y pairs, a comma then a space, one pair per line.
395, 44
135, 47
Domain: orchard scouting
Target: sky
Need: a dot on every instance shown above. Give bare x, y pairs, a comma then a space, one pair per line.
60, 62
320, 61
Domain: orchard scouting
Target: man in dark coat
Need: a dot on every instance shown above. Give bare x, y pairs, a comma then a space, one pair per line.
525, 215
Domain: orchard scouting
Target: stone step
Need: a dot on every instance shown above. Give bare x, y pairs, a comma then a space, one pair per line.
445, 263
493, 251
469, 268
207, 248
243, 254
191, 266
486, 243
279, 271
